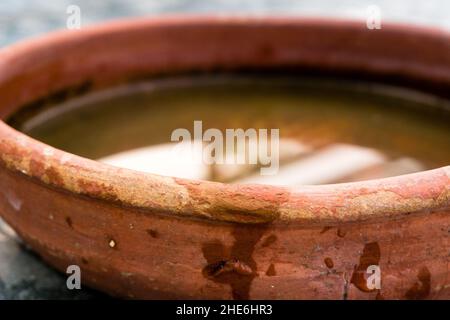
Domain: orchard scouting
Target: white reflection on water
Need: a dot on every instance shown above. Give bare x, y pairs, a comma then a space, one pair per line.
300, 164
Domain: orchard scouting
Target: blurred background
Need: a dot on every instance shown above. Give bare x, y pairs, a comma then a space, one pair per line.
24, 18
22, 274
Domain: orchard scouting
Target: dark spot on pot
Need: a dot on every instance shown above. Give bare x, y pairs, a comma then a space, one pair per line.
341, 233
329, 263
421, 289
153, 233
325, 229
69, 222
84, 261
271, 272
235, 266
371, 256
269, 240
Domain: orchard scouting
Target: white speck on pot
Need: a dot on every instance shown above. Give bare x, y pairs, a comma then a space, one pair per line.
112, 243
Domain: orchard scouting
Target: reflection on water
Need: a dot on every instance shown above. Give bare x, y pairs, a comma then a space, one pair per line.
300, 165
330, 131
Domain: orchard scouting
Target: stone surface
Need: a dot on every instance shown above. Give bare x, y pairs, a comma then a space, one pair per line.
24, 276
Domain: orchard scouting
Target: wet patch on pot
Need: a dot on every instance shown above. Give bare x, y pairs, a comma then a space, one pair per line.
421, 289
269, 241
325, 229
234, 266
271, 272
371, 256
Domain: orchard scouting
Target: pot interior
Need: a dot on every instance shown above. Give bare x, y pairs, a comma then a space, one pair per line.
330, 130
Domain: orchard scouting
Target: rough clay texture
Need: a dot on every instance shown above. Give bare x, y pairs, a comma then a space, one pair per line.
145, 236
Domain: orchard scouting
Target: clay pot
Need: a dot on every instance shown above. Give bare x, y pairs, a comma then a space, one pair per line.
145, 236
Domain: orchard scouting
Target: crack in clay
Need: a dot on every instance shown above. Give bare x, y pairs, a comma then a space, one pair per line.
224, 266
346, 284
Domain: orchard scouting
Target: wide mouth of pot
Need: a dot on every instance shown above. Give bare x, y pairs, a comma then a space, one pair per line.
69, 64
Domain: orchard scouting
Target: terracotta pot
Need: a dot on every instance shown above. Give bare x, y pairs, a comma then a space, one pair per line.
145, 236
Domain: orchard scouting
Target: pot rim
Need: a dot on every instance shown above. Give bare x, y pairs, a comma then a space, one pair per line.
329, 205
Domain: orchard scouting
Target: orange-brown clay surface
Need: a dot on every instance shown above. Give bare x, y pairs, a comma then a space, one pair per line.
140, 235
